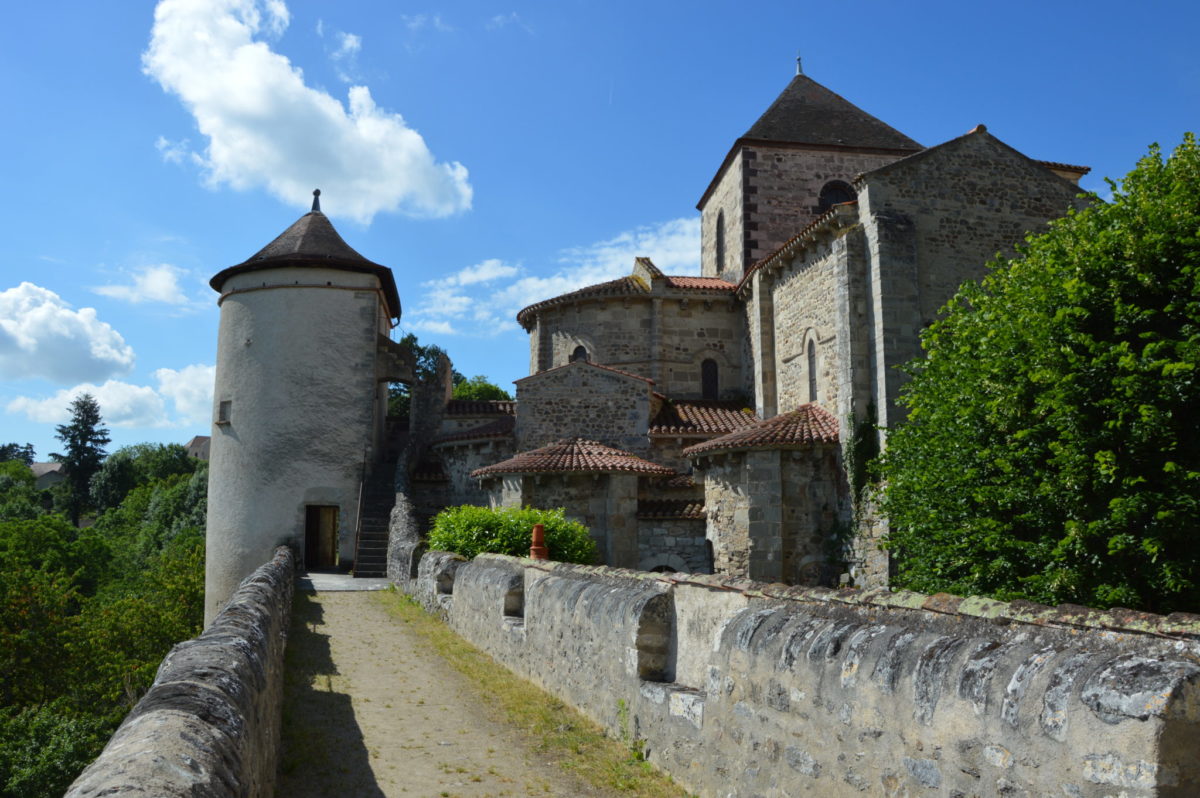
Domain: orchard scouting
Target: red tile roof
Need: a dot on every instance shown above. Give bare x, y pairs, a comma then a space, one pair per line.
618, 287
670, 508
680, 481
623, 286
688, 417
481, 407
1066, 167
574, 454
699, 283
500, 428
806, 425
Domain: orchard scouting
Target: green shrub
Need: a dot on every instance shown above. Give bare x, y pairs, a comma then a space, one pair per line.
469, 530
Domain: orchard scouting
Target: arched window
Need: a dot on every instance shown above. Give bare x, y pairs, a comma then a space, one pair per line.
710, 385
833, 193
720, 243
811, 365
580, 353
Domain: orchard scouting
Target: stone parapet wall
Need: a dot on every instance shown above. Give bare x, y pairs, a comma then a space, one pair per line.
209, 725
739, 688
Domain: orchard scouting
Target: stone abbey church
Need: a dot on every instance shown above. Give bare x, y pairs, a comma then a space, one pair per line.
693, 423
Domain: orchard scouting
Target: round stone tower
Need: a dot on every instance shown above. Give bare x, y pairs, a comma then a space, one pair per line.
298, 406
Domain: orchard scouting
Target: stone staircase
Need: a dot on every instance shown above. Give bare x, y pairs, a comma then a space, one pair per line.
379, 495
370, 558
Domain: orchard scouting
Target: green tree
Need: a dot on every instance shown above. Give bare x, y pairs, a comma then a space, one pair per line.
479, 388
135, 465
84, 440
470, 530
19, 497
15, 451
425, 364
1051, 450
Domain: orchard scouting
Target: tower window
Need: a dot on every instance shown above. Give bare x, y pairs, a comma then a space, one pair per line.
833, 193
811, 364
580, 353
720, 242
224, 409
710, 386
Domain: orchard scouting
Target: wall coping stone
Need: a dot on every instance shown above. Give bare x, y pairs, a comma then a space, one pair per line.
1181, 626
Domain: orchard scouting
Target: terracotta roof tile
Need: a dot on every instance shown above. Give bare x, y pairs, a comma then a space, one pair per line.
1066, 167
574, 454
701, 283
688, 417
680, 481
618, 287
481, 407
670, 508
500, 428
806, 425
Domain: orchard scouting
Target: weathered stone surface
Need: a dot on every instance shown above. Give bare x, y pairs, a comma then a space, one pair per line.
209, 725
741, 688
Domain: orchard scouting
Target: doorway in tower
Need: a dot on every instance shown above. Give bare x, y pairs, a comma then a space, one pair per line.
320, 537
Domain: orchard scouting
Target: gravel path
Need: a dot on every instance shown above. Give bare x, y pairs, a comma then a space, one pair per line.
369, 712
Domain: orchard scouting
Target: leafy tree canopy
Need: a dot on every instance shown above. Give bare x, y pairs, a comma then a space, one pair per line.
1051, 450
135, 465
479, 388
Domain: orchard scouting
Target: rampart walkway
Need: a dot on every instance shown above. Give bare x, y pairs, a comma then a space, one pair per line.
369, 711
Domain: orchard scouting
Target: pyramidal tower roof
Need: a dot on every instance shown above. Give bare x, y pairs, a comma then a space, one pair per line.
808, 113
312, 241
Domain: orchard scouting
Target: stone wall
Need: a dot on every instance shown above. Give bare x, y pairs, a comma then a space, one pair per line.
787, 182
743, 689
933, 221
677, 543
805, 304
460, 458
581, 400
209, 725
773, 514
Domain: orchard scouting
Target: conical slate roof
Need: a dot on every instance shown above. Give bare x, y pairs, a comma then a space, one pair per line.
808, 113
313, 241
808, 424
574, 454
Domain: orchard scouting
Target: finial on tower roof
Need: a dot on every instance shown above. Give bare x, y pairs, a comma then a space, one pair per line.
799, 66
316, 199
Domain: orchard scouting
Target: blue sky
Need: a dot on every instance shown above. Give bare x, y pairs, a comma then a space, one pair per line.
491, 154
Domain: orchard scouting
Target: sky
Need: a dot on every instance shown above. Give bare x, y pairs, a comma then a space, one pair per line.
493, 154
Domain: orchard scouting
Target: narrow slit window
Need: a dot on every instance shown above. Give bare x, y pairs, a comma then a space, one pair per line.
224, 410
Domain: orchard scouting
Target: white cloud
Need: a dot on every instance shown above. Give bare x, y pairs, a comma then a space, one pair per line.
41, 336
500, 21
267, 129
345, 57
121, 405
150, 284
470, 301
482, 272
418, 22
190, 389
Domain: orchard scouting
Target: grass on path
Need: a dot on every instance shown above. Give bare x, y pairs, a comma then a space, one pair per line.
579, 745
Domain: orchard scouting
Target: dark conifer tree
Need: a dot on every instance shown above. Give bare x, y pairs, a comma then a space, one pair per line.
84, 440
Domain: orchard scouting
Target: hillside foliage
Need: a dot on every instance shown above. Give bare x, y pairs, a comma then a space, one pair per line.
1051, 450
87, 614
